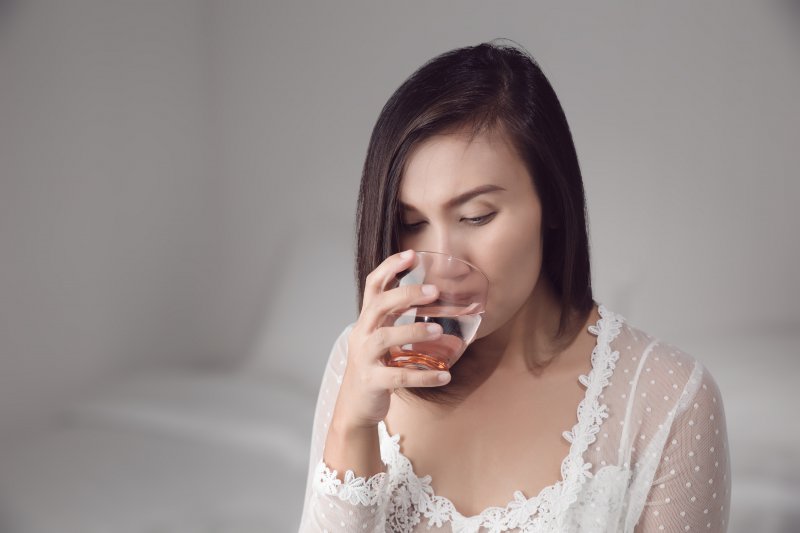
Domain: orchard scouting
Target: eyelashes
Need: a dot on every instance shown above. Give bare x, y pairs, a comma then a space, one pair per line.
481, 220
473, 221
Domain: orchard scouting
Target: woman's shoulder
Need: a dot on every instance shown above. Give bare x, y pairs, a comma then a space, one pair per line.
662, 366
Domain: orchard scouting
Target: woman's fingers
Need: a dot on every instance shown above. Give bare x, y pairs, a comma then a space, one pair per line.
377, 280
395, 378
385, 337
397, 299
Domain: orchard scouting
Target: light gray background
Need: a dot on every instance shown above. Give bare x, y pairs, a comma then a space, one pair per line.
156, 158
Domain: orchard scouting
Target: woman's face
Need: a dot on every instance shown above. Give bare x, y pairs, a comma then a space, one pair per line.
499, 230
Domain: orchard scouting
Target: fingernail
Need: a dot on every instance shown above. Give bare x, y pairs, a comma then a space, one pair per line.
429, 290
406, 254
433, 328
443, 377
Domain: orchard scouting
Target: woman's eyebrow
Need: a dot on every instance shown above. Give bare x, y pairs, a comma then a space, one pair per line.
461, 198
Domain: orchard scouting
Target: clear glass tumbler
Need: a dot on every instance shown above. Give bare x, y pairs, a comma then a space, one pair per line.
458, 309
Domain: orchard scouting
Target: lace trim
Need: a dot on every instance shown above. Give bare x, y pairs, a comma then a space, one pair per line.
412, 496
356, 490
591, 412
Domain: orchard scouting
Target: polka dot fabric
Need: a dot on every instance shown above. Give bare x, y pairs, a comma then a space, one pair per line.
691, 487
650, 455
670, 431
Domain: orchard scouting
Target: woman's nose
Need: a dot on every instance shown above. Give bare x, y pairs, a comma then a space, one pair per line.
447, 242
442, 241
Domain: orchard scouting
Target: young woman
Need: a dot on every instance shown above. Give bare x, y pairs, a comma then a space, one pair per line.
560, 416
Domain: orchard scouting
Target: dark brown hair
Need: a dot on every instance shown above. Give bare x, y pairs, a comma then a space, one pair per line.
490, 87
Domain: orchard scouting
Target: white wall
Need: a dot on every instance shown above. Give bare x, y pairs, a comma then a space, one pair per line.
108, 220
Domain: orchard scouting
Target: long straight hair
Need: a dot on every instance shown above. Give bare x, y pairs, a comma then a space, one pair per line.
486, 87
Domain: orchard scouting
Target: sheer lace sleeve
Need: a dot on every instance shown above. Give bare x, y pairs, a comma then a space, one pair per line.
691, 487
334, 502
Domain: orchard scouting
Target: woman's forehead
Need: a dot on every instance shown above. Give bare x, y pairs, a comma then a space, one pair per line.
445, 166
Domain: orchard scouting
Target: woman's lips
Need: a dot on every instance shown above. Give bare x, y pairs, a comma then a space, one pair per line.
455, 296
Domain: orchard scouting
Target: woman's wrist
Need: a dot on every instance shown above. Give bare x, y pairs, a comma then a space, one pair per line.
353, 447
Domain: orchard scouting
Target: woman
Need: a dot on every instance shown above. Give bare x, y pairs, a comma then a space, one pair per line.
472, 156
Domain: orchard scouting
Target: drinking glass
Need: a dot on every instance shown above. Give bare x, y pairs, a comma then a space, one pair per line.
458, 309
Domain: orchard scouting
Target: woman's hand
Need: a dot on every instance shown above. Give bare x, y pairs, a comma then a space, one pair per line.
368, 383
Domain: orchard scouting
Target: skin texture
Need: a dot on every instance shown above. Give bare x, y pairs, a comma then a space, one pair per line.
524, 390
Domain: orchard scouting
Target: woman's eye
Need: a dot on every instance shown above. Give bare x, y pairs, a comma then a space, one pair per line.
410, 227
479, 221
473, 221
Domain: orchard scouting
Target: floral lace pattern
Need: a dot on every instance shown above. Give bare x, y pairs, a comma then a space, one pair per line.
410, 498
355, 490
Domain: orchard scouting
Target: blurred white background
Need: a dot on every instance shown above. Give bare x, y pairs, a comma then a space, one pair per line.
177, 192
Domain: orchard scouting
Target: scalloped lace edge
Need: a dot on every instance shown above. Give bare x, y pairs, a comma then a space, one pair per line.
354, 489
591, 412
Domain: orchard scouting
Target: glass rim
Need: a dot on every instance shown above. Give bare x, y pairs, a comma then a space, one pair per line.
451, 256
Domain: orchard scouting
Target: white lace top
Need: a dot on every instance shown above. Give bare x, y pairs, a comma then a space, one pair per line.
648, 453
